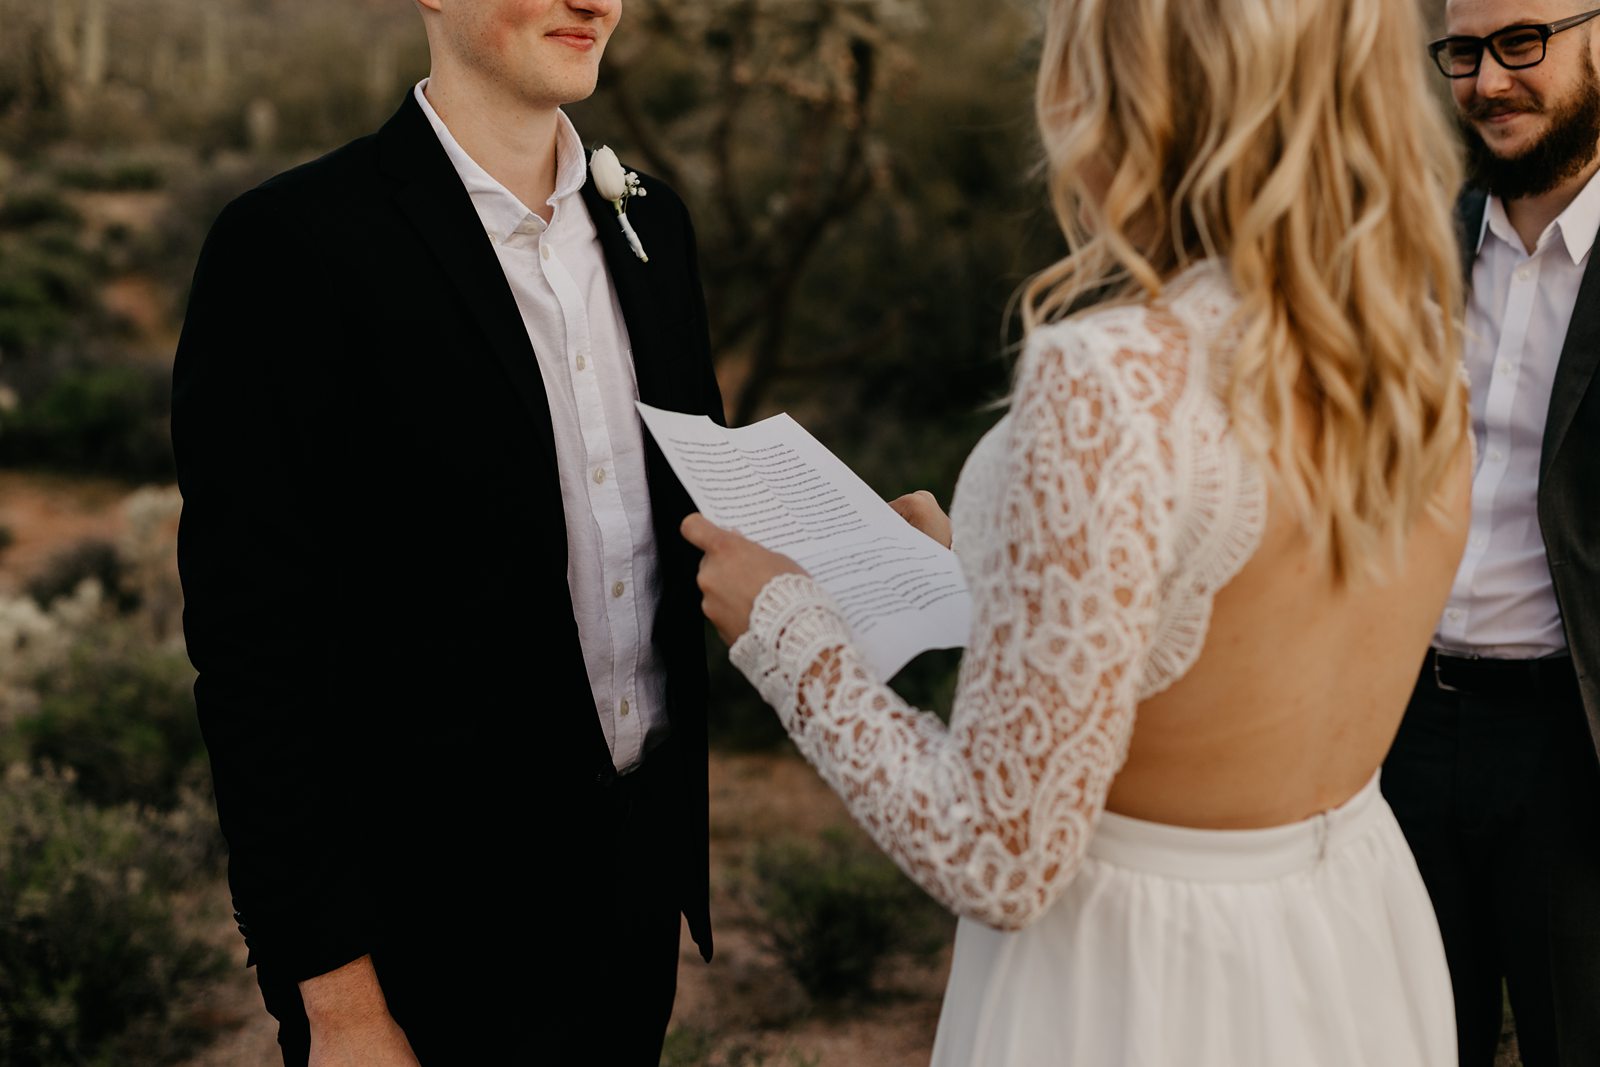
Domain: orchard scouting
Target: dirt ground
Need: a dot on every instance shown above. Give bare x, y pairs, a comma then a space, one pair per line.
46, 513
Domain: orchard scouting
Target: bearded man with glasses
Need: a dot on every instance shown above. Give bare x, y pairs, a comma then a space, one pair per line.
1494, 774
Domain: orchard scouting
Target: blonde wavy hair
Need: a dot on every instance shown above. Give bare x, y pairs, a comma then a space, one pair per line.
1296, 138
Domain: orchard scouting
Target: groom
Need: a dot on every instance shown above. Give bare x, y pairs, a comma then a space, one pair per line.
1494, 775
451, 667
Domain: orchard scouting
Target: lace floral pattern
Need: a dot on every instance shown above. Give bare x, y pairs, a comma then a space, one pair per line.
1097, 519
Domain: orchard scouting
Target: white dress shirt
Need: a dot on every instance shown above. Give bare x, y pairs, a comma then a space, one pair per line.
557, 273
1503, 603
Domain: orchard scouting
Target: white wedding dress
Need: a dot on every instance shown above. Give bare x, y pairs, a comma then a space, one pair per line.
1095, 522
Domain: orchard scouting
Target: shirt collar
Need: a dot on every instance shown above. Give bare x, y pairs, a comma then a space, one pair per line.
498, 208
1577, 225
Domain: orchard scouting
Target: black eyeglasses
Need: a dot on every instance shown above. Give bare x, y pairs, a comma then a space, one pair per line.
1514, 48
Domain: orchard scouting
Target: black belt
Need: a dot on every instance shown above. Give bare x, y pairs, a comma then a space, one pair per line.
1500, 677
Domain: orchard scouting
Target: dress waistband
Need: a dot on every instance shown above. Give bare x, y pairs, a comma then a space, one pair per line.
1207, 855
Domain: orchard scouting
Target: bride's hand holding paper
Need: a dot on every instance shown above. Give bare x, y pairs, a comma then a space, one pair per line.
732, 573
900, 592
921, 509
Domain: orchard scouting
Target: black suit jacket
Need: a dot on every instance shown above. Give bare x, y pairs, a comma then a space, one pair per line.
402, 735
1569, 469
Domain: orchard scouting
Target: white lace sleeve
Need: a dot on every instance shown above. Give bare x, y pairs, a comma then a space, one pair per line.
992, 815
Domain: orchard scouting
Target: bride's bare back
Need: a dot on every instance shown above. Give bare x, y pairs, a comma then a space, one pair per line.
1151, 630
1301, 685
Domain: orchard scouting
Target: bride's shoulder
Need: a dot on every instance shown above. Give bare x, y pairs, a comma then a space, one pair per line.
1147, 352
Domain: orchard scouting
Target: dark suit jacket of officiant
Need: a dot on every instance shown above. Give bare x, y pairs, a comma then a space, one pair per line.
1569, 469
403, 739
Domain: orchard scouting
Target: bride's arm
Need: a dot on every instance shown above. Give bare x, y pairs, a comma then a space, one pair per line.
992, 815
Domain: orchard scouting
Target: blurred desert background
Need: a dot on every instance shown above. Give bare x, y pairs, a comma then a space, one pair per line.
864, 180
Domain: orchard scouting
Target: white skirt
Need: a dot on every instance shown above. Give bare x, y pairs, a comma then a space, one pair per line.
1307, 945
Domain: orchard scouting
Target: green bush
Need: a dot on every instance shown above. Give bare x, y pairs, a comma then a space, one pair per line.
26, 210
836, 911
46, 289
121, 715
687, 1046
94, 967
125, 176
104, 419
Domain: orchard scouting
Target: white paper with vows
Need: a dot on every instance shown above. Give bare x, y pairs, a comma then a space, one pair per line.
902, 593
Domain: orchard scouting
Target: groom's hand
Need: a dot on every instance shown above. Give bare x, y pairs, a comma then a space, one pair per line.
350, 1021
732, 573
922, 510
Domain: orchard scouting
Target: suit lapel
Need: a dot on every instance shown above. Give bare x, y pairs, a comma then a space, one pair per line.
1470, 209
432, 198
1580, 350
637, 295
1580, 355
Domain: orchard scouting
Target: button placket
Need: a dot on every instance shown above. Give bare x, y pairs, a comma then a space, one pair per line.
1497, 415
558, 279
612, 523
614, 539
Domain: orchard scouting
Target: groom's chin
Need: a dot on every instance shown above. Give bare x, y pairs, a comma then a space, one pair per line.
1507, 177
570, 86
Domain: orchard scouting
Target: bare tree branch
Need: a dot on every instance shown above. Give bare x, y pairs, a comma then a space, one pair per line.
732, 97
614, 81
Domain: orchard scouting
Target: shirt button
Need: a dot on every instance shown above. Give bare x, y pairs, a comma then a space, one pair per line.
544, 250
623, 710
599, 476
1454, 614
1524, 273
1502, 369
582, 362
616, 589
1475, 541
1496, 455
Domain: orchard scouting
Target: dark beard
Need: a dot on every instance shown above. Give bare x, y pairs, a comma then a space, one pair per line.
1571, 144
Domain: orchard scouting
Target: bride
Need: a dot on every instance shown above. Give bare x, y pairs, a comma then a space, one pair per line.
1207, 546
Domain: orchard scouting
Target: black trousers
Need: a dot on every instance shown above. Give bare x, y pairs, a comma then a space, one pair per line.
588, 979
1498, 792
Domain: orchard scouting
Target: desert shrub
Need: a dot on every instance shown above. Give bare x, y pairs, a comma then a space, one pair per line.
117, 177
94, 966
693, 1046
121, 715
836, 911
687, 1046
104, 419
36, 208
46, 288
90, 558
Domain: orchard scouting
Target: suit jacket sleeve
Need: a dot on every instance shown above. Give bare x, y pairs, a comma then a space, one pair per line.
253, 392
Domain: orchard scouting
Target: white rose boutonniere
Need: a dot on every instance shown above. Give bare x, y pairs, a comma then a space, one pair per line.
617, 186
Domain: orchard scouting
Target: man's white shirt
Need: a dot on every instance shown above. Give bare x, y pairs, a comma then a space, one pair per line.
1503, 603
557, 273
